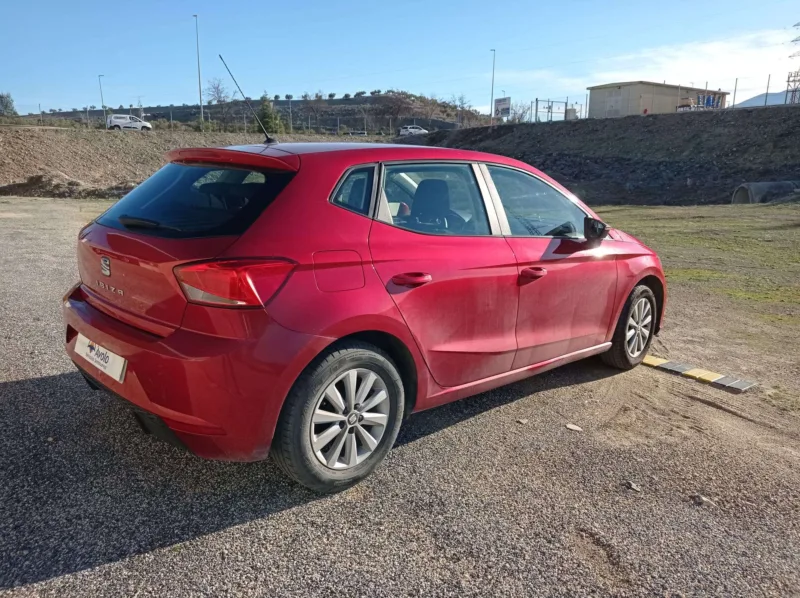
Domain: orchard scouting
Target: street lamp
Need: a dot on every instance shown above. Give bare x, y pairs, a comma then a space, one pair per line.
491, 100
199, 80
102, 101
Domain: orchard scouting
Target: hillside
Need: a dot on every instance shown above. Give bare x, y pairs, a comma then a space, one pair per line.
379, 111
686, 158
81, 163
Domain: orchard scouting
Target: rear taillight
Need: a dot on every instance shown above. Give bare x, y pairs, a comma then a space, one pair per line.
233, 283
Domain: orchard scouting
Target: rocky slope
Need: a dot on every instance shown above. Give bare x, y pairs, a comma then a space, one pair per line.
685, 158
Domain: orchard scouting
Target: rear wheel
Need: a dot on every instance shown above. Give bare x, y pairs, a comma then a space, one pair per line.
340, 419
634, 331
116, 128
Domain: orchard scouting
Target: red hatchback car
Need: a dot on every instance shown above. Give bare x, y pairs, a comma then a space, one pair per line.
303, 299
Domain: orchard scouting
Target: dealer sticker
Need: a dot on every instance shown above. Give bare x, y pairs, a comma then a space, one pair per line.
101, 358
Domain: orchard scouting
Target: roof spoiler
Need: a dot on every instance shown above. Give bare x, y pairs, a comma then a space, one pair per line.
205, 155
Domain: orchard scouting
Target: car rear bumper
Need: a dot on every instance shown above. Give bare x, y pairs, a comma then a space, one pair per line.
219, 396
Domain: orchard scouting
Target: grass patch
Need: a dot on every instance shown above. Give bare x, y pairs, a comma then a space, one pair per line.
783, 319
693, 275
774, 295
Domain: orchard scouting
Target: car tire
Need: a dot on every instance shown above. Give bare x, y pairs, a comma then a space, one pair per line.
626, 352
334, 455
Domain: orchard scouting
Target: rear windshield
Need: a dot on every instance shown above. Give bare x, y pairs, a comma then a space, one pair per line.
182, 201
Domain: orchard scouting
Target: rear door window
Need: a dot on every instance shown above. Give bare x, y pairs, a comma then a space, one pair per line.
181, 201
434, 198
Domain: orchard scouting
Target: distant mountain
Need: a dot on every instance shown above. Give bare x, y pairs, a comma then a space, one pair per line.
778, 97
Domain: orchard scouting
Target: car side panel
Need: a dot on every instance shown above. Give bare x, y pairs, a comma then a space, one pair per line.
334, 290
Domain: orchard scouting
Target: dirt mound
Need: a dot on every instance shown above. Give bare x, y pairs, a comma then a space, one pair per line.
60, 185
683, 158
81, 163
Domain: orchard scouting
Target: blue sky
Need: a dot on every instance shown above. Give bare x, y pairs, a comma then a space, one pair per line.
544, 50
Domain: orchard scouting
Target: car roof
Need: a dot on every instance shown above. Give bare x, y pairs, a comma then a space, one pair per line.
364, 152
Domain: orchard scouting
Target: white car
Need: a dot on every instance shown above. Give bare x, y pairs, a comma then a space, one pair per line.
412, 130
125, 121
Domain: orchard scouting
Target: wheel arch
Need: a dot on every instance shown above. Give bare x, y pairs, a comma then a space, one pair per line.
399, 353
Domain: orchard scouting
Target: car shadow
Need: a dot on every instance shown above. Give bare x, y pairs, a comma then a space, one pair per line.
83, 486
434, 420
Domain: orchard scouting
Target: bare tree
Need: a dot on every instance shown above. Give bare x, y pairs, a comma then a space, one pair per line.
466, 115
430, 106
519, 112
217, 93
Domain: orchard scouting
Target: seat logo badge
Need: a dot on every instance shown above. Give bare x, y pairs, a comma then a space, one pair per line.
105, 265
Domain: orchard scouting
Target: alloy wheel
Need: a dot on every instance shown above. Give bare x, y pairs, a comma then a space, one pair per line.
640, 324
349, 419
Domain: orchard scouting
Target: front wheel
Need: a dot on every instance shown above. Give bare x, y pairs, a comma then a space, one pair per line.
634, 331
340, 419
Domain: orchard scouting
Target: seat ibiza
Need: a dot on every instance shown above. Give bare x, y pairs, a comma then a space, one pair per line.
301, 300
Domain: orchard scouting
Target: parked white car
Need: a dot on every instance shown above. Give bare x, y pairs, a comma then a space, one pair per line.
125, 121
412, 130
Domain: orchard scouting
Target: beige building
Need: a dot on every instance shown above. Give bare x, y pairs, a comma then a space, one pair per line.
643, 97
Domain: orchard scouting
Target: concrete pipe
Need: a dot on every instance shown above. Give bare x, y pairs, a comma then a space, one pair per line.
765, 192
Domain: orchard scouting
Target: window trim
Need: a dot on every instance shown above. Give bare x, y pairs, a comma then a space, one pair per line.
382, 204
501, 211
372, 203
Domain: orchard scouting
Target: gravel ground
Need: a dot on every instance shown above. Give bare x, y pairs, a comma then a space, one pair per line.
487, 496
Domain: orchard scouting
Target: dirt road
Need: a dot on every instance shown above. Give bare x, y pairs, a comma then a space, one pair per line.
488, 496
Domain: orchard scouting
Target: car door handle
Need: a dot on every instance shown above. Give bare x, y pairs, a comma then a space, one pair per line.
411, 279
530, 274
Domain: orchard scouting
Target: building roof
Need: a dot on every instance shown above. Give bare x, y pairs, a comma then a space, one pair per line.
653, 83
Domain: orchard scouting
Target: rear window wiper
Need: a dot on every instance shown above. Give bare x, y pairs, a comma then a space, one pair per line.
137, 222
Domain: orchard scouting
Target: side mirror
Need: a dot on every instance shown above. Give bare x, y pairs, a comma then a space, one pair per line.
594, 229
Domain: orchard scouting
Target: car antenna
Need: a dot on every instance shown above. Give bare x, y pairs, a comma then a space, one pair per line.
258, 120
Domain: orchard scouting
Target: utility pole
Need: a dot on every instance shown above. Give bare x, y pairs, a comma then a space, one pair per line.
491, 99
735, 86
102, 101
87, 117
41, 116
766, 95
199, 79
291, 130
